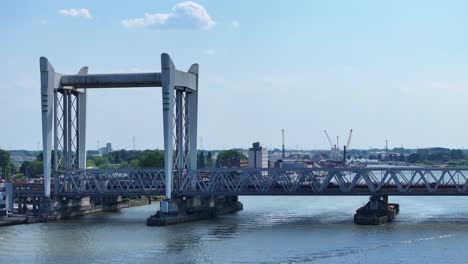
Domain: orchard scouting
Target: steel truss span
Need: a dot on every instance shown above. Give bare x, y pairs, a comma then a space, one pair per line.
112, 182
317, 181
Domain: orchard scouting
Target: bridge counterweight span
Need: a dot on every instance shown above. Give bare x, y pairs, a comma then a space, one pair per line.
63, 101
320, 181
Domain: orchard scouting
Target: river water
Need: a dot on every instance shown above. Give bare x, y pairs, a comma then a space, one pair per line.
269, 230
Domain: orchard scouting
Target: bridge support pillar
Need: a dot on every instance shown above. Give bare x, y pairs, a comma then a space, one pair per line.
186, 209
46, 208
377, 211
110, 203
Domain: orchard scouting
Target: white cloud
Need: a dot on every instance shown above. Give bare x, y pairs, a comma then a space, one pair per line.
209, 52
83, 12
235, 24
184, 15
43, 22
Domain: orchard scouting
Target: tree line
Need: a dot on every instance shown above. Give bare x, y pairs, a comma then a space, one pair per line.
121, 159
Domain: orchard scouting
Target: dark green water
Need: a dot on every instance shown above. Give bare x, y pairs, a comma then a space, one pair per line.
269, 230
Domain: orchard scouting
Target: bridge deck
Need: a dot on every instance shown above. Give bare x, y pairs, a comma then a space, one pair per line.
317, 181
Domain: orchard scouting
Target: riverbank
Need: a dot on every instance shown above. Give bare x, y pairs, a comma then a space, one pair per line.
21, 219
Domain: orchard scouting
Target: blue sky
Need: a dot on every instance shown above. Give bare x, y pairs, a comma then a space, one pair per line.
395, 70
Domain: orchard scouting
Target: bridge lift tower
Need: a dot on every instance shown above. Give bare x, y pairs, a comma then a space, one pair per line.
63, 101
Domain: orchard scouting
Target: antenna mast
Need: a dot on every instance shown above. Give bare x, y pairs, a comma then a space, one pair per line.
284, 150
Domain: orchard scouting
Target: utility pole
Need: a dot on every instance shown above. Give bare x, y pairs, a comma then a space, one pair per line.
337, 147
134, 139
386, 149
283, 148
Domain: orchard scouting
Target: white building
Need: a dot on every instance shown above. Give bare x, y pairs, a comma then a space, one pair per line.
106, 150
258, 156
6, 199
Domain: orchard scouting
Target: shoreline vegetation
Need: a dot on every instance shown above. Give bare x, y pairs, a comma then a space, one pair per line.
135, 159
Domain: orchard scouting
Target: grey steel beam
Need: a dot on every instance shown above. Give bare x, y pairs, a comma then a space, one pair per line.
49, 81
81, 122
168, 76
179, 131
192, 105
126, 80
113, 80
187, 80
68, 124
65, 129
56, 158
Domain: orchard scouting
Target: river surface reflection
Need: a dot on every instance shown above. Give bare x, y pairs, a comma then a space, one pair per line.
269, 230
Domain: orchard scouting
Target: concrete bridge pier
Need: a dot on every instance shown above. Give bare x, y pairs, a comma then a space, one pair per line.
110, 203
377, 211
182, 209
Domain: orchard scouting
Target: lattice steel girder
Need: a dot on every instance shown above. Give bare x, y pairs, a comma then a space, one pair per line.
317, 181
119, 182
341, 181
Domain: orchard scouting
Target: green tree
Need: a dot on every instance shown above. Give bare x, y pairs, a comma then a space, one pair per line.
90, 163
414, 157
201, 160
134, 163
99, 161
152, 159
210, 163
32, 169
230, 154
226, 155
5, 159
5, 163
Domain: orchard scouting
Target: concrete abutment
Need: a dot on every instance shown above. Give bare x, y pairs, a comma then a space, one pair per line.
187, 209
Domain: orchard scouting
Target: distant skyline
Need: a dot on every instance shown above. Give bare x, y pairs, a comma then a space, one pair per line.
395, 70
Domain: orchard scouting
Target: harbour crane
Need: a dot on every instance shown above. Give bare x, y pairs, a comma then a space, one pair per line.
349, 139
332, 146
346, 148
335, 148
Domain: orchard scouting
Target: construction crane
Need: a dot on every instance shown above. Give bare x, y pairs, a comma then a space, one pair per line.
346, 148
332, 146
349, 139
335, 148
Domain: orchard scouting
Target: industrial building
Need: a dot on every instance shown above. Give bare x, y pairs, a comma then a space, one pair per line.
106, 150
258, 156
294, 164
234, 163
